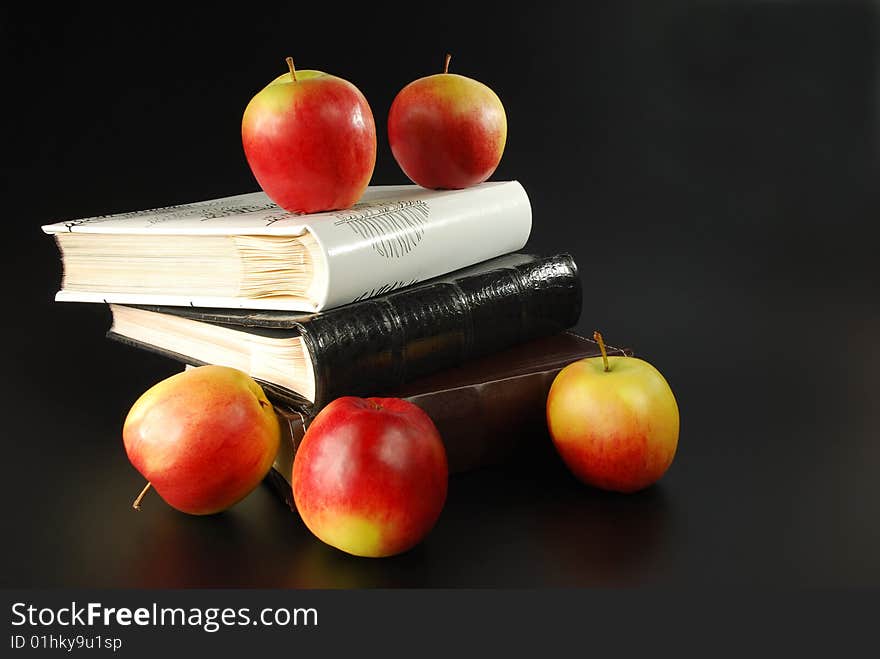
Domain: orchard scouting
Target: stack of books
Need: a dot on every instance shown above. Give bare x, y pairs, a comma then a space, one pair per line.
421, 294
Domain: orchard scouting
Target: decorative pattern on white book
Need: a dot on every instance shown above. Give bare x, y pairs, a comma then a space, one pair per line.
394, 228
201, 211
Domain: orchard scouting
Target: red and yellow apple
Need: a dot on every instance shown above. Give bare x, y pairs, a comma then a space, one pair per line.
614, 421
310, 141
203, 438
447, 131
370, 475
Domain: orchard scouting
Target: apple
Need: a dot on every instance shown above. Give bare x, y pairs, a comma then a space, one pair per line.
203, 438
447, 131
613, 420
370, 475
310, 141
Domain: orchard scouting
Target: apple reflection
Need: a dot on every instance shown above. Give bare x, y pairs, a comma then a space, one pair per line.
605, 539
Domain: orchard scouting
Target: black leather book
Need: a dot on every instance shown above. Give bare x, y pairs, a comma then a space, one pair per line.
374, 345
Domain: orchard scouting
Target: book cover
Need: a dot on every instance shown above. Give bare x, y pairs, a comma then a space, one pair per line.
192, 254
377, 344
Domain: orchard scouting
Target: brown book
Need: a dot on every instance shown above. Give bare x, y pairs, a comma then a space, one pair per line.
485, 410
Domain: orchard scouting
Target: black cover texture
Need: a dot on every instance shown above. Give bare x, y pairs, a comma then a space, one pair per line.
381, 343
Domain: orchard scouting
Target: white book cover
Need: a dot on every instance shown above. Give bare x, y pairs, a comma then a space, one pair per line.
393, 237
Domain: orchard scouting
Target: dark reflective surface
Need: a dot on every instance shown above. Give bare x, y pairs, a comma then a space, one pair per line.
711, 166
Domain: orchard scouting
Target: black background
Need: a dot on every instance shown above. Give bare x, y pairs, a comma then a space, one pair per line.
712, 166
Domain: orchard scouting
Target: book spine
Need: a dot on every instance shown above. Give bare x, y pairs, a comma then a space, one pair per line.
381, 246
380, 344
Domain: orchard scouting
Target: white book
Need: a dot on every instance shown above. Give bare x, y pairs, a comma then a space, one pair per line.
244, 251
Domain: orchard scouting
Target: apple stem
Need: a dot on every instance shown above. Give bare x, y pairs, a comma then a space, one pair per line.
137, 502
289, 61
597, 337
446, 63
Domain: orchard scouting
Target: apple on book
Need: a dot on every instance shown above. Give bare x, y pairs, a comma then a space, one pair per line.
370, 475
203, 438
310, 141
613, 420
447, 131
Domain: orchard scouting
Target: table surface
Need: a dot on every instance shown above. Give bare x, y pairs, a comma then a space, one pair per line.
712, 167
